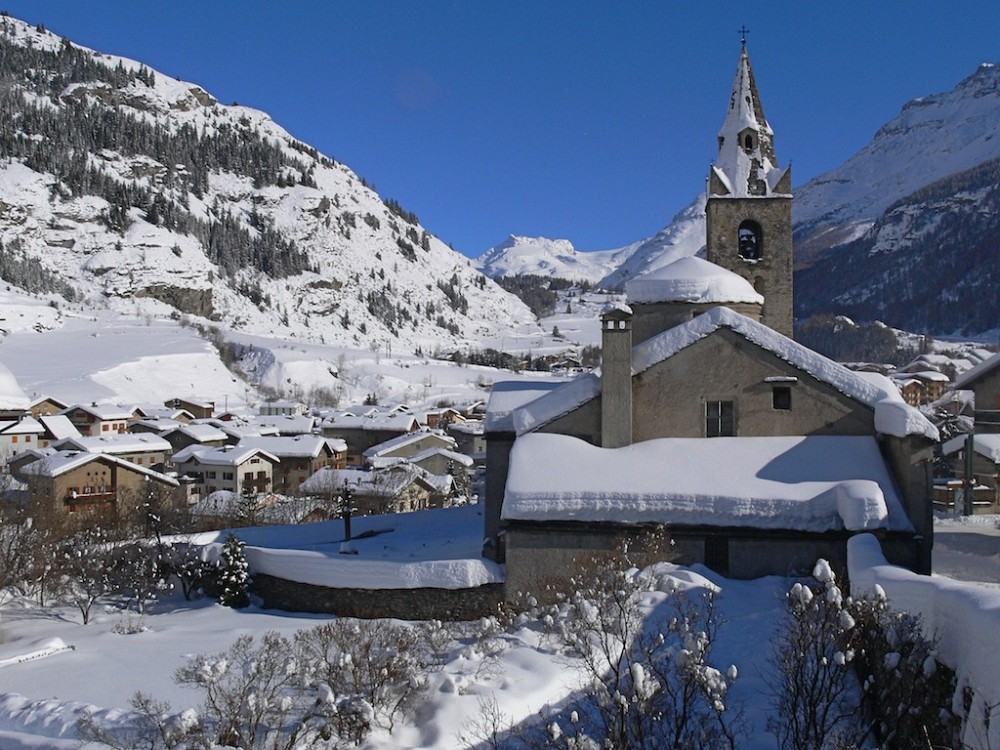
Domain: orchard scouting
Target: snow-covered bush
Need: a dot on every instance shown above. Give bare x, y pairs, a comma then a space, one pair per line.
649, 679
850, 673
378, 661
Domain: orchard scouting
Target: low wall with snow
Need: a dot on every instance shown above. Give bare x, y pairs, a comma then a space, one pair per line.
963, 617
403, 604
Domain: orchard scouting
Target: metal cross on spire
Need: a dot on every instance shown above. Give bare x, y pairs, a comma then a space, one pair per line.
743, 34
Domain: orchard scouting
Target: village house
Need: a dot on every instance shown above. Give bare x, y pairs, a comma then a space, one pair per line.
398, 489
185, 435
361, 433
199, 408
71, 481
470, 439
299, 457
140, 449
17, 435
94, 420
46, 405
56, 427
982, 471
242, 471
754, 453
282, 409
406, 446
440, 419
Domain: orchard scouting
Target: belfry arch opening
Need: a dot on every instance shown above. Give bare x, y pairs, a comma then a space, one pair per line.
751, 240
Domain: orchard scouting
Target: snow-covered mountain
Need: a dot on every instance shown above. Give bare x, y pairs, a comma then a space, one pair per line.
122, 187
933, 137
609, 269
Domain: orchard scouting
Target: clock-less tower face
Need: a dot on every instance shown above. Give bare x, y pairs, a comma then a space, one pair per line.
749, 208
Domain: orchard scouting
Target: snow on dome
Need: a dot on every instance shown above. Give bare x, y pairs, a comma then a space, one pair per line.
12, 397
691, 280
813, 483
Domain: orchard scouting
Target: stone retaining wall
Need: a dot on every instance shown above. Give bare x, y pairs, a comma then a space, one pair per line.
404, 604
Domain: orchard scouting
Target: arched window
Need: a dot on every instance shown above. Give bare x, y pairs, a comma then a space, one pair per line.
751, 240
748, 142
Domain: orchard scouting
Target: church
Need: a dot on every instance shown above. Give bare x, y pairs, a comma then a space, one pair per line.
755, 454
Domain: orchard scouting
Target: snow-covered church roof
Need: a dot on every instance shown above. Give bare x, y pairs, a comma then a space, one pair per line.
692, 280
747, 169
815, 483
893, 416
12, 397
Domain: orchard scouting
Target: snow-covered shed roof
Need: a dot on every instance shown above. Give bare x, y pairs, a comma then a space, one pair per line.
458, 458
813, 483
398, 422
893, 416
693, 280
12, 397
970, 376
986, 444
104, 412
286, 424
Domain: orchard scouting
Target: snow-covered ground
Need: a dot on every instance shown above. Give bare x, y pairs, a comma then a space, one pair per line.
51, 666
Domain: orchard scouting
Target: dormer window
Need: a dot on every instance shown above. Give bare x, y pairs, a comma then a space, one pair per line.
748, 142
751, 241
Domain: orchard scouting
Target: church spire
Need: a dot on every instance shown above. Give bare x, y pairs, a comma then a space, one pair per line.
747, 165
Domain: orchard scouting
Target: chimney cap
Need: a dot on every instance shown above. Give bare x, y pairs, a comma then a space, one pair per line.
616, 311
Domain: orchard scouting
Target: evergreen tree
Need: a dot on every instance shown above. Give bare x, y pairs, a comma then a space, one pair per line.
234, 575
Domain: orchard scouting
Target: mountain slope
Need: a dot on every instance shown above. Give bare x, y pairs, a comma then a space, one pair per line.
120, 186
927, 264
933, 137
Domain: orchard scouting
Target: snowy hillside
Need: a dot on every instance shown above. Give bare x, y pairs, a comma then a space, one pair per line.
933, 137
118, 183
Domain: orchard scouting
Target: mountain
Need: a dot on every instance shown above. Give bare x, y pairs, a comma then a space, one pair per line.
121, 187
932, 137
609, 269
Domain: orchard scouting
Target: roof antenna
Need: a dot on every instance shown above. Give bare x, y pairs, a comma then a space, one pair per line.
743, 34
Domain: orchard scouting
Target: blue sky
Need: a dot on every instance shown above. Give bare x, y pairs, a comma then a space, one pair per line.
594, 122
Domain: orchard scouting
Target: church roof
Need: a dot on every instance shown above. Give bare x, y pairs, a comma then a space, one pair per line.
893, 416
746, 171
691, 280
805, 483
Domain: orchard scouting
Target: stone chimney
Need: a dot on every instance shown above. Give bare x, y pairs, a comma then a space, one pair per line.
616, 376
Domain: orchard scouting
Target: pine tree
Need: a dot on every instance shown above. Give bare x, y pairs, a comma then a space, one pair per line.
234, 576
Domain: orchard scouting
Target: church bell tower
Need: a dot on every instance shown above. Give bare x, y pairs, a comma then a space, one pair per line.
749, 208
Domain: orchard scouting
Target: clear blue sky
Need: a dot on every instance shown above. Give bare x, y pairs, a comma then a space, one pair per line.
594, 122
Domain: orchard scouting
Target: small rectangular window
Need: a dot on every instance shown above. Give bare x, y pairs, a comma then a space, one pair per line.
720, 419
781, 397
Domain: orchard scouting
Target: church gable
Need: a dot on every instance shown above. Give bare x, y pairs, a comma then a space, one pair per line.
724, 384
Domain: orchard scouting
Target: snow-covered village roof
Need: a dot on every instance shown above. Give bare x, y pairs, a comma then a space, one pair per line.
287, 424
201, 433
973, 374
104, 412
738, 166
410, 438
986, 444
893, 416
224, 455
507, 396
59, 426
813, 483
692, 280
54, 464
126, 442
12, 398
398, 422
290, 446
25, 426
